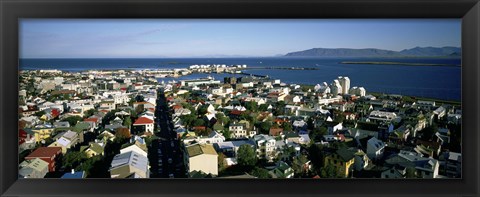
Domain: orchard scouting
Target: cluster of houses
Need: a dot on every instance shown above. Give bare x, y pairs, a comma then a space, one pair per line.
356, 134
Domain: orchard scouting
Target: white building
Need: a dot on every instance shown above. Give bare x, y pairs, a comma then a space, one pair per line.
359, 91
345, 83
335, 87
265, 146
375, 148
202, 158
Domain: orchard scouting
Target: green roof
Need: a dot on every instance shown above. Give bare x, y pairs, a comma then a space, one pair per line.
198, 149
345, 154
95, 147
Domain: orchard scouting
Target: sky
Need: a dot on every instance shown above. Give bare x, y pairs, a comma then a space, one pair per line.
157, 38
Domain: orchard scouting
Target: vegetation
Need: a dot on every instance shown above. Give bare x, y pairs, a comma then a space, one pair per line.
246, 156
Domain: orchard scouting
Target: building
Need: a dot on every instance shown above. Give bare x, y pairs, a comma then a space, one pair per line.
342, 160
375, 148
42, 132
265, 146
47, 154
66, 141
202, 157
129, 165
143, 124
238, 130
345, 84
359, 91
34, 168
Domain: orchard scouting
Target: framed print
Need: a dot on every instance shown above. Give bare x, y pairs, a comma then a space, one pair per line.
363, 98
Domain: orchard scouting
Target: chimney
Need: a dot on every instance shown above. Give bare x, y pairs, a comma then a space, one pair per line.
73, 171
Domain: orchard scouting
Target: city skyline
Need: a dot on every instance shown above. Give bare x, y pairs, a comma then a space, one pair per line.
164, 38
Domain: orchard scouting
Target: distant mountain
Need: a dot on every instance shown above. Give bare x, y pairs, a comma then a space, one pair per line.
371, 52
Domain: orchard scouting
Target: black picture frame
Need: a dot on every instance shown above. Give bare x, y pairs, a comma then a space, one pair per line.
12, 10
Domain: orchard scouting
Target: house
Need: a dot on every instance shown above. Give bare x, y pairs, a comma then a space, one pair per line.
95, 148
63, 124
129, 164
276, 131
265, 146
451, 164
34, 168
213, 137
42, 132
202, 157
66, 141
396, 172
375, 148
423, 167
74, 175
143, 125
361, 160
135, 148
107, 105
47, 154
281, 170
26, 140
238, 130
94, 121
342, 159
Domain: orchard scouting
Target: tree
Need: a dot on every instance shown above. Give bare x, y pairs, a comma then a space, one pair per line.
73, 159
127, 122
263, 107
264, 127
329, 171
287, 126
221, 161
123, 133
89, 112
199, 122
252, 106
246, 156
260, 173
139, 109
297, 164
73, 120
40, 113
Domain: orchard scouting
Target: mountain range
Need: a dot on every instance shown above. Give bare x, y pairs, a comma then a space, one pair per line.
372, 52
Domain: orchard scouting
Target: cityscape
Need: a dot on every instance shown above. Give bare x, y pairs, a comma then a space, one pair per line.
218, 120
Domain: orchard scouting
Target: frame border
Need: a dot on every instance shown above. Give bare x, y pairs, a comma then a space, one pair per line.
12, 10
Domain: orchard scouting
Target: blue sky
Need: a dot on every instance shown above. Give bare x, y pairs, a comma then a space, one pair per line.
150, 38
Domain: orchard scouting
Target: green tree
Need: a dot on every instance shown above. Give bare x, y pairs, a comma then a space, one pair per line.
199, 122
252, 106
127, 122
89, 112
73, 159
297, 164
40, 113
73, 120
329, 171
287, 126
263, 107
246, 156
260, 173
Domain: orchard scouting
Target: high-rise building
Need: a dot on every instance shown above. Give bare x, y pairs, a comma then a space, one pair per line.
335, 87
345, 83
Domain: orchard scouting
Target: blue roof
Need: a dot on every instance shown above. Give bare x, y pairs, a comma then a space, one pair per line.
75, 175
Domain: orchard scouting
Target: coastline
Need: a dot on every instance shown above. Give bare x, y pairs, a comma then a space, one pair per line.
397, 63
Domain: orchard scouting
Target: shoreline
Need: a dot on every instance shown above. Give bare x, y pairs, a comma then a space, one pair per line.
398, 64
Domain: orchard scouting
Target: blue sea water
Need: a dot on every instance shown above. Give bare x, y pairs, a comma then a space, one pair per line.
440, 82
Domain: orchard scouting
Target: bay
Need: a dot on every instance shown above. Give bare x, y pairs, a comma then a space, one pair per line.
441, 82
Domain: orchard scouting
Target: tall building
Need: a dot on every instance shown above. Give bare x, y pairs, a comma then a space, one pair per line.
345, 83
335, 87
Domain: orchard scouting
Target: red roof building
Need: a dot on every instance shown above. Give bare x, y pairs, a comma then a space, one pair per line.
48, 154
143, 121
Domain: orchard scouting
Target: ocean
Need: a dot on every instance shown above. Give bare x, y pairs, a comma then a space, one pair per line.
441, 82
